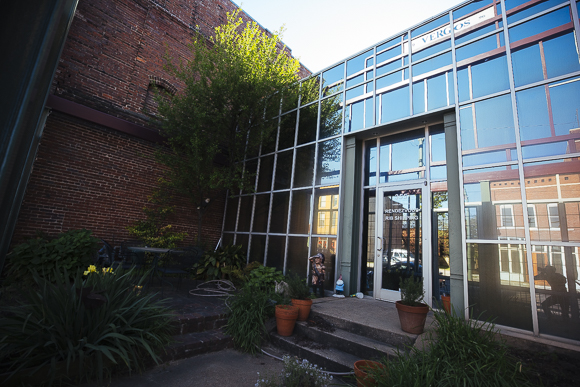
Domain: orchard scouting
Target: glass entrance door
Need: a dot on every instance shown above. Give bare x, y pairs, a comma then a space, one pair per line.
400, 231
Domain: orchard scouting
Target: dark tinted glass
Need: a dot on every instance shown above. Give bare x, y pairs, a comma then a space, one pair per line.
307, 124
329, 162
266, 172
304, 168
331, 116
540, 24
261, 213
283, 170
279, 218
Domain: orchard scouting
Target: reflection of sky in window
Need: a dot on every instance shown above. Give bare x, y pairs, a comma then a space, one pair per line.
329, 161
390, 79
408, 154
542, 23
438, 147
432, 64
565, 97
472, 193
527, 65
472, 35
333, 75
431, 50
430, 26
469, 8
561, 55
388, 67
486, 158
371, 163
494, 119
490, 77
547, 149
356, 64
436, 92
418, 97
533, 113
439, 173
479, 47
529, 11
395, 104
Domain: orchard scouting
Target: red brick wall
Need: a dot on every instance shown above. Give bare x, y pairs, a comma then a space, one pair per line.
90, 176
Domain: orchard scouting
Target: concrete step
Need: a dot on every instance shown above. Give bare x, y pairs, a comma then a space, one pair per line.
329, 358
199, 322
357, 345
196, 343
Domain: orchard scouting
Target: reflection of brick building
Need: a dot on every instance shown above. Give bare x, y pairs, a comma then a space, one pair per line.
95, 165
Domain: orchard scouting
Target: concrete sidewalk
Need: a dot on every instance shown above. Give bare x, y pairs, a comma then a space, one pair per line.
217, 369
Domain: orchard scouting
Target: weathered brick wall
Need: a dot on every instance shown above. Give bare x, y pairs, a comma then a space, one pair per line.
90, 176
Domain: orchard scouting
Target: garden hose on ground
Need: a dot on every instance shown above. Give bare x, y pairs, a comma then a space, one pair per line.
221, 288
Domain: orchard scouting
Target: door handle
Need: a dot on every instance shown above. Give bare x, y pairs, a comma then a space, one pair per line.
381, 243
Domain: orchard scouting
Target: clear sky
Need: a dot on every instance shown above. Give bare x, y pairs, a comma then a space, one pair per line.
322, 32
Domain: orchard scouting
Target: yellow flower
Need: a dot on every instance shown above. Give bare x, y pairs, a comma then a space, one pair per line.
108, 270
90, 269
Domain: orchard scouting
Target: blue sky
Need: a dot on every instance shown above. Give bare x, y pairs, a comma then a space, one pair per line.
322, 32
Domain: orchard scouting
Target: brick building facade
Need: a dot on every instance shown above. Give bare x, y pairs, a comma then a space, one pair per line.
95, 165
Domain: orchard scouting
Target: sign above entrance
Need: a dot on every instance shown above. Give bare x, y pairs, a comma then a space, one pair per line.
444, 32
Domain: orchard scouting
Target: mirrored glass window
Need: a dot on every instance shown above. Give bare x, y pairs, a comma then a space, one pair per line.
487, 77
357, 63
276, 250
556, 271
472, 8
493, 203
297, 250
419, 97
527, 65
329, 162
332, 80
257, 248
541, 6
304, 168
246, 205
283, 170
464, 37
439, 22
388, 54
397, 162
299, 219
250, 173
540, 24
279, 218
481, 46
287, 130
391, 79
371, 163
388, 67
561, 55
432, 64
231, 214
326, 211
437, 91
553, 187
485, 126
394, 104
498, 287
261, 213
309, 90
437, 138
307, 124
424, 53
266, 172
331, 116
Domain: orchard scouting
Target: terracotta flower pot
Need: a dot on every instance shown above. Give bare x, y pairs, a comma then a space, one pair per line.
304, 306
446, 300
412, 318
361, 368
286, 316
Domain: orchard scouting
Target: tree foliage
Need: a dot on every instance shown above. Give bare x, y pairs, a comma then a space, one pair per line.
233, 85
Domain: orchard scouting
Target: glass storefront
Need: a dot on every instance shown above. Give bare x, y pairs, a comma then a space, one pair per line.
509, 72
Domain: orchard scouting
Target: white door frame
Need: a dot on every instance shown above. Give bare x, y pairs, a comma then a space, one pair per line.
390, 295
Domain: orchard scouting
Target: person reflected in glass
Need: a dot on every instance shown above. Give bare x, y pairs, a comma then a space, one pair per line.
318, 272
557, 283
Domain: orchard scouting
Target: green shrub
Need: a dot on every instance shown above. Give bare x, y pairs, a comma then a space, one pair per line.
462, 353
249, 309
70, 251
264, 278
216, 264
412, 292
297, 287
90, 325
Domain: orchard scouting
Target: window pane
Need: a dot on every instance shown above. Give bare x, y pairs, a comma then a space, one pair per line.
481, 46
496, 288
245, 213
554, 188
437, 92
527, 65
332, 80
283, 170
565, 97
355, 80
329, 161
528, 11
469, 8
250, 172
266, 171
533, 113
540, 24
418, 97
424, 53
371, 163
561, 55
279, 219
326, 211
326, 246
261, 213
358, 63
493, 204
463, 84
331, 116
257, 248
430, 26
437, 137
407, 151
394, 104
354, 116
309, 90
474, 34
231, 214
287, 130
390, 79
307, 125
297, 251
276, 250
556, 281
493, 123
391, 53
489, 77
304, 168
388, 67
432, 64
299, 219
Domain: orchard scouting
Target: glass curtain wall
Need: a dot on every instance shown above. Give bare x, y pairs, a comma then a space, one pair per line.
511, 71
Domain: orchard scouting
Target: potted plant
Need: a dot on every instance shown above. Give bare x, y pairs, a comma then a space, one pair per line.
446, 300
412, 311
300, 295
286, 316
363, 370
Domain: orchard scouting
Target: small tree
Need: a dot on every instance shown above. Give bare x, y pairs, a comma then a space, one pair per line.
233, 86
